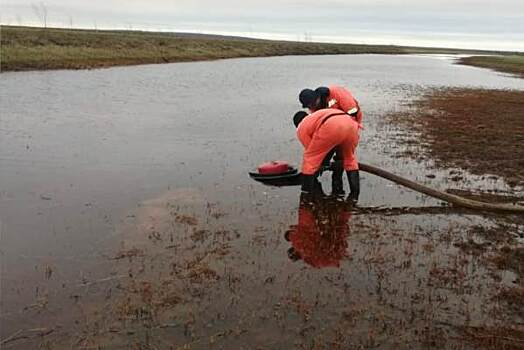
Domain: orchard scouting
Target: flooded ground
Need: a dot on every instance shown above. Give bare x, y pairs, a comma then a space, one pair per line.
480, 130
128, 219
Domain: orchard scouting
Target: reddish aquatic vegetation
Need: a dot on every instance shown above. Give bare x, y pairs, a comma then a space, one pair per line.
472, 247
495, 338
200, 235
130, 253
514, 297
474, 129
484, 196
510, 258
221, 285
186, 219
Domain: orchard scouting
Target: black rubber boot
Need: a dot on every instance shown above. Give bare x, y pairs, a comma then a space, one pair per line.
354, 185
308, 183
317, 188
337, 185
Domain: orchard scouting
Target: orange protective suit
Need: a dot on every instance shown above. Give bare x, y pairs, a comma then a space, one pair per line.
340, 98
323, 130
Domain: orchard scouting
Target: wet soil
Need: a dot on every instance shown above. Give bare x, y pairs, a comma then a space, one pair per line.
479, 130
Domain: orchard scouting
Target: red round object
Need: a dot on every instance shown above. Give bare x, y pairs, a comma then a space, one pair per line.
274, 167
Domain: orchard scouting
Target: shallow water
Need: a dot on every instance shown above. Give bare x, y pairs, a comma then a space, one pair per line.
96, 163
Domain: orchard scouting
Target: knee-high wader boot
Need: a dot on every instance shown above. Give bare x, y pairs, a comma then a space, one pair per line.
354, 184
308, 183
337, 185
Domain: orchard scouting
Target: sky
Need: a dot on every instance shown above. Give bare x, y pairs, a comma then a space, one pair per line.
475, 24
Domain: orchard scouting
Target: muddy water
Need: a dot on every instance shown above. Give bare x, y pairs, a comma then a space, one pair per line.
127, 218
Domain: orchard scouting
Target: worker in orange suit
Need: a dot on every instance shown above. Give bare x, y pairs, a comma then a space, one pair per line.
320, 133
320, 236
331, 97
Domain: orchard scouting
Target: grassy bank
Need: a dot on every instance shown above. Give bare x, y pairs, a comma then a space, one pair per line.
508, 64
27, 48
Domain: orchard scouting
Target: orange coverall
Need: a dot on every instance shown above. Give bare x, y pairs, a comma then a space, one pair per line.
323, 130
340, 98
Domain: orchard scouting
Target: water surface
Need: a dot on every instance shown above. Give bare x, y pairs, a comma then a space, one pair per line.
149, 165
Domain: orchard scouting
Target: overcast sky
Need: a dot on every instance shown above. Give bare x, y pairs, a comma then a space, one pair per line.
448, 23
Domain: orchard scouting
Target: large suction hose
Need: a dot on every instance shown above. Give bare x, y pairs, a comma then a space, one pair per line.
447, 197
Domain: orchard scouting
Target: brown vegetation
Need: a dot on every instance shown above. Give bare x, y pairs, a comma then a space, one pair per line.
474, 129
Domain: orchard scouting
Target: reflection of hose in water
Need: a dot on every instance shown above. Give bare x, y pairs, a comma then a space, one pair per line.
447, 197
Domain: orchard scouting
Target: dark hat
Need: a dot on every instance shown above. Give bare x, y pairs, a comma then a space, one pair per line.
307, 97
297, 118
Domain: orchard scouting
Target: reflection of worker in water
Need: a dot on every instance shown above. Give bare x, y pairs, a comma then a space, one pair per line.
320, 133
335, 97
320, 237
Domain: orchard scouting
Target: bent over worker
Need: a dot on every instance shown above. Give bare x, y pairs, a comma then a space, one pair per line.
331, 97
320, 133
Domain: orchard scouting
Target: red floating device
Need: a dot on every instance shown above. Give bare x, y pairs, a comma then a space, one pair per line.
273, 168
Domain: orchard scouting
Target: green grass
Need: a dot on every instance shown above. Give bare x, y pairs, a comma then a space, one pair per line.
508, 64
28, 48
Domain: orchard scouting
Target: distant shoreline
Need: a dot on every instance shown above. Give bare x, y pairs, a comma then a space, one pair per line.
513, 64
30, 48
